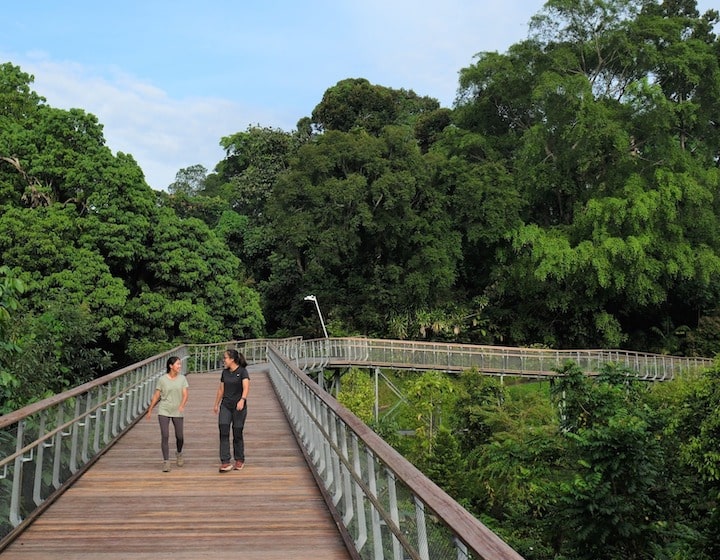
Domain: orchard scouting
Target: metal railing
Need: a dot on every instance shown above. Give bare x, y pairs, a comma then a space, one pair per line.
209, 357
390, 509
46, 445
491, 360
387, 508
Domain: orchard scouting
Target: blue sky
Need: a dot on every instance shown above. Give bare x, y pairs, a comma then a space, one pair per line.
168, 79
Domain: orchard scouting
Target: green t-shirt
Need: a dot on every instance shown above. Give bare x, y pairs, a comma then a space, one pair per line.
171, 394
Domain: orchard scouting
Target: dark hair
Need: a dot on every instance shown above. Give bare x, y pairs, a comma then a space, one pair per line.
170, 362
236, 357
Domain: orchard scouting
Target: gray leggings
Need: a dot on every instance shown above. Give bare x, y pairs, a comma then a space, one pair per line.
165, 434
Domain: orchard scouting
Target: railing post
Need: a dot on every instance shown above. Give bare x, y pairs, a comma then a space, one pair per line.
14, 516
37, 484
74, 438
57, 455
376, 407
421, 529
394, 513
374, 515
87, 425
361, 537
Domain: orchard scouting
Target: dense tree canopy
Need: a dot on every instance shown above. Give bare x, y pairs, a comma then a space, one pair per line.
98, 252
569, 198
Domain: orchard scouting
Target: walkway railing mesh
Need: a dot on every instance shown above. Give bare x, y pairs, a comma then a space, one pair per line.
387, 507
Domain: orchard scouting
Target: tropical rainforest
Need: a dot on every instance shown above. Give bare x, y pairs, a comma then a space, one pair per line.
568, 199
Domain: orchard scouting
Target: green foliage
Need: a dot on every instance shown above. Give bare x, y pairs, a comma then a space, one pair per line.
109, 265
59, 352
11, 289
366, 226
519, 426
597, 118
355, 103
701, 428
59, 269
52, 352
447, 323
607, 467
208, 209
189, 181
429, 397
192, 290
477, 394
446, 466
606, 508
255, 158
357, 393
17, 100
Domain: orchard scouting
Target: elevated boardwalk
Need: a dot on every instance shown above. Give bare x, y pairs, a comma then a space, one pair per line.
80, 471
125, 508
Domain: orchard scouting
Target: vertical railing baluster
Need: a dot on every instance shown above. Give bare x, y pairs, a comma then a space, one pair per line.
334, 438
115, 395
74, 437
346, 478
109, 408
40, 459
87, 427
57, 455
394, 513
361, 538
17, 475
374, 514
421, 529
461, 549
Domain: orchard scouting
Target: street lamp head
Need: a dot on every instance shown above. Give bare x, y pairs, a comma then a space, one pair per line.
317, 306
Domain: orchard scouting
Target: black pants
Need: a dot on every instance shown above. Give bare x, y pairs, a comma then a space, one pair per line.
227, 418
165, 434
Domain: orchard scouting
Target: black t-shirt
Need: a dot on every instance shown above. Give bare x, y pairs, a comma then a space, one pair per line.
232, 381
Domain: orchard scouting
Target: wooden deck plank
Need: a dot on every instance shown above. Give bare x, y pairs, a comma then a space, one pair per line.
125, 507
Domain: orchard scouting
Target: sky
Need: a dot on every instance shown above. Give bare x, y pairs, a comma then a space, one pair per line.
169, 79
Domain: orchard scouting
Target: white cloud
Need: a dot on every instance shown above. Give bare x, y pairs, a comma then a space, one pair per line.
163, 134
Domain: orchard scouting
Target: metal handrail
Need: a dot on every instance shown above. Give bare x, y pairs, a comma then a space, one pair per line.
45, 446
490, 360
388, 508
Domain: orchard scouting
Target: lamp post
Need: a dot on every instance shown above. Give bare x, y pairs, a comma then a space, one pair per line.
313, 298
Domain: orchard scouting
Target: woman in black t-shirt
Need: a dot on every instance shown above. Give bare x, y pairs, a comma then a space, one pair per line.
231, 408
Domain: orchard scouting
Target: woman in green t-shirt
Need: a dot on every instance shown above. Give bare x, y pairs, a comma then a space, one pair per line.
172, 393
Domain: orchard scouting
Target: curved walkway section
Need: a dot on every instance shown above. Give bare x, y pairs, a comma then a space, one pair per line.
317, 354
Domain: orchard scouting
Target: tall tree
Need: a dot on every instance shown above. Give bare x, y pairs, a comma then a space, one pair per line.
358, 221
619, 220
191, 289
356, 103
189, 180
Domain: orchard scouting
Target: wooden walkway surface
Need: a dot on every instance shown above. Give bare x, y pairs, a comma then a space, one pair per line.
125, 507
